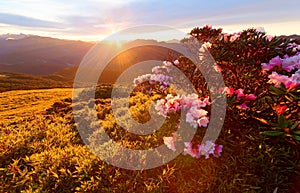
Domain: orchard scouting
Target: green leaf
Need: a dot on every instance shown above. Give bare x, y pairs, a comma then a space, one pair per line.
255, 187
294, 96
276, 91
282, 87
282, 122
296, 137
295, 125
272, 133
297, 132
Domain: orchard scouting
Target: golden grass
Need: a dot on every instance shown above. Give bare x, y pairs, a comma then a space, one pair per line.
23, 103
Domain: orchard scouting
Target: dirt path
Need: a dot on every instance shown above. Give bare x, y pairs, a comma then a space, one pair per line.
23, 103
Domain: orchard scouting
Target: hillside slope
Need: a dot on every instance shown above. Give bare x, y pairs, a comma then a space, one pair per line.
17, 81
40, 55
24, 103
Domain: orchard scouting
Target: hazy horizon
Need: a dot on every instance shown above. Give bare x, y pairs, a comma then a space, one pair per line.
94, 20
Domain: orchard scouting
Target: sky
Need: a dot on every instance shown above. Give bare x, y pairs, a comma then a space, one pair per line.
93, 20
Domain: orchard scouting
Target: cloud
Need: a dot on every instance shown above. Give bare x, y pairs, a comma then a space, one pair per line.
19, 20
102, 17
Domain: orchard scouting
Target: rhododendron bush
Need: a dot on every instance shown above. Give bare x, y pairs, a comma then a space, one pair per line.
264, 67
262, 78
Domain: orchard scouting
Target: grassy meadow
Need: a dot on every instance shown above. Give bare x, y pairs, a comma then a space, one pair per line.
41, 151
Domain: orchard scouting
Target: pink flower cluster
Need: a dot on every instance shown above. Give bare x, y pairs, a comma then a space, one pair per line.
295, 47
206, 149
240, 96
289, 64
196, 116
170, 141
288, 82
159, 75
232, 37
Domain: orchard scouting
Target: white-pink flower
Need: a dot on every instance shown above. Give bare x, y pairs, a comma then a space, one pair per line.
191, 120
291, 63
160, 107
229, 91
234, 37
269, 37
189, 150
218, 150
277, 79
240, 93
170, 142
176, 62
207, 45
207, 148
203, 121
189, 100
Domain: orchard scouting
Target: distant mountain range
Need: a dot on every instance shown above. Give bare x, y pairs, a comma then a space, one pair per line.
54, 62
294, 37
9, 36
27, 59
39, 55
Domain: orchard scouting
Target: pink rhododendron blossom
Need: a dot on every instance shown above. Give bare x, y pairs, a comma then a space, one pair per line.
250, 97
226, 36
195, 112
229, 91
243, 106
240, 96
191, 120
276, 61
207, 45
189, 100
291, 63
291, 85
195, 116
207, 148
203, 121
234, 37
189, 150
218, 68
295, 47
173, 105
170, 142
167, 63
141, 79
208, 26
176, 62
160, 107
240, 93
296, 77
269, 37
288, 63
277, 79
280, 109
206, 101
266, 67
218, 150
